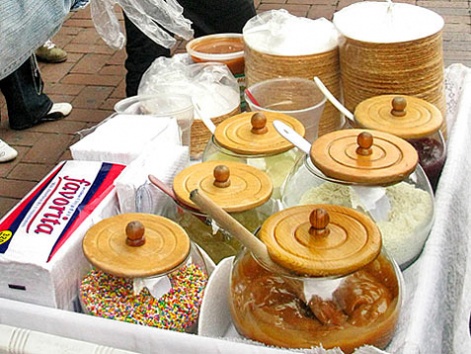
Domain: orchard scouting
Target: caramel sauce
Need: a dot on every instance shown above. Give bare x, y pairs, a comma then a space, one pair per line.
221, 45
363, 310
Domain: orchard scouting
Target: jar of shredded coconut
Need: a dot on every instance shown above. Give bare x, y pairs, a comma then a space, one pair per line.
374, 172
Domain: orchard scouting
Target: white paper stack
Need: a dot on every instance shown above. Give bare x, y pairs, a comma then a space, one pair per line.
41, 257
123, 137
135, 194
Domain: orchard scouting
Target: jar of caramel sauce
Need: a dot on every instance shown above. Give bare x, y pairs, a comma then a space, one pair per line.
340, 288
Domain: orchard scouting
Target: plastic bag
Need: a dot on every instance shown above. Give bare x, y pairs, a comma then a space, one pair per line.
212, 86
153, 17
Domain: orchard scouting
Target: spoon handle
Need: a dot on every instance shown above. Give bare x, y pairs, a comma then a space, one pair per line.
292, 136
228, 223
169, 191
162, 186
333, 100
206, 120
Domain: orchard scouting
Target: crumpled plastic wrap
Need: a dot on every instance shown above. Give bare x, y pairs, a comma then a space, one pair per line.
212, 86
155, 18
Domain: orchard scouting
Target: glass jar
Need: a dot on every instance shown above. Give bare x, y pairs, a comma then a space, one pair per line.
412, 119
251, 138
145, 270
241, 190
386, 183
340, 288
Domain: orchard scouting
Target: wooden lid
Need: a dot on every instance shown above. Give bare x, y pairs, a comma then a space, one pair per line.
253, 133
321, 240
364, 156
234, 186
116, 246
405, 116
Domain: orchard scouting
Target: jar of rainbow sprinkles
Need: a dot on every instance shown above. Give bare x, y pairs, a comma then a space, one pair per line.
145, 271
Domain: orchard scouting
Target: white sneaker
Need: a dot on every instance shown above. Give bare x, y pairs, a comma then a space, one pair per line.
7, 153
57, 111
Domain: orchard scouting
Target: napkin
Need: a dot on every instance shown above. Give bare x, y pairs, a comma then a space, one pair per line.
123, 137
135, 193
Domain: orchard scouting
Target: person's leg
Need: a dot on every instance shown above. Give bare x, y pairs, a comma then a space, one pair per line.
27, 104
208, 17
25, 100
141, 53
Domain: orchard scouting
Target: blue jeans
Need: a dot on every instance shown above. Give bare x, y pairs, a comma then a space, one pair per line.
208, 17
23, 91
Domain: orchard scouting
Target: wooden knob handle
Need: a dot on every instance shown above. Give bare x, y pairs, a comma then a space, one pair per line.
135, 231
259, 123
399, 105
365, 141
319, 219
221, 175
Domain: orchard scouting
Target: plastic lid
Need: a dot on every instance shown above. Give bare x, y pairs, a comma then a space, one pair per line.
217, 47
405, 116
234, 186
110, 247
364, 156
253, 133
321, 240
277, 32
386, 22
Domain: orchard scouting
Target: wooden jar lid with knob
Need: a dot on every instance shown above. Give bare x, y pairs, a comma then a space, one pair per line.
136, 245
253, 133
234, 186
364, 156
405, 116
321, 240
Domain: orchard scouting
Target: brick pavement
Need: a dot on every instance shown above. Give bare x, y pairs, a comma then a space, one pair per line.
92, 79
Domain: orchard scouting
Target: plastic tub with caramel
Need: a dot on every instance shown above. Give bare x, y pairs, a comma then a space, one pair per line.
227, 48
340, 288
